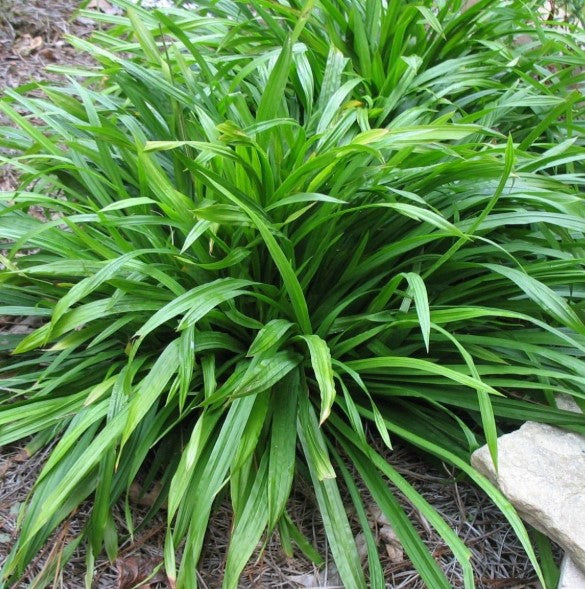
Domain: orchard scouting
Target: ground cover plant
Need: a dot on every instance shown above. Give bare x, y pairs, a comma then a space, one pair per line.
274, 233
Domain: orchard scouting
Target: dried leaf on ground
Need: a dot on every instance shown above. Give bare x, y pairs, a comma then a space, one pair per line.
138, 495
103, 6
133, 570
27, 44
328, 579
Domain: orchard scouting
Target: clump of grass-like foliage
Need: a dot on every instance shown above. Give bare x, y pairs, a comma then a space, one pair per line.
275, 232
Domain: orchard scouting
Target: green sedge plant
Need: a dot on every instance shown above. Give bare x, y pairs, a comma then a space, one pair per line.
277, 234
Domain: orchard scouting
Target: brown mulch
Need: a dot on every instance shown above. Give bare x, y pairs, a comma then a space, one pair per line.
498, 558
31, 37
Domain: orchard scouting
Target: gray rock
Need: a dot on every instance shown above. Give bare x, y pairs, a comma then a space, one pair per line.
572, 577
567, 403
542, 473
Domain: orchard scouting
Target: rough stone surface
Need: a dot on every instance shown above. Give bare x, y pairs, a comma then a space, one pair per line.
572, 577
567, 403
542, 473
